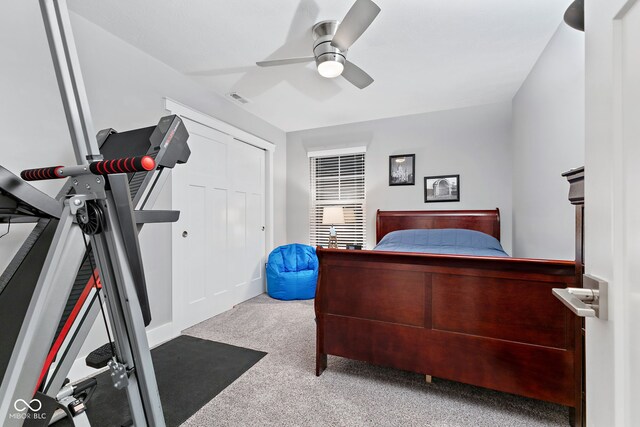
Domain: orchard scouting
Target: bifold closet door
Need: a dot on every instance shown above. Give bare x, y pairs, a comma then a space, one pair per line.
219, 241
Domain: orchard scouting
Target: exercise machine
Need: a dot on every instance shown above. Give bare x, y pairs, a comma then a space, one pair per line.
82, 259
20, 202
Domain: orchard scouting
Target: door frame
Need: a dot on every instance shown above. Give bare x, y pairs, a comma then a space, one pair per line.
185, 112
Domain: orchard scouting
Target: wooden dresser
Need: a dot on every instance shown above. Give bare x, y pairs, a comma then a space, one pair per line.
576, 197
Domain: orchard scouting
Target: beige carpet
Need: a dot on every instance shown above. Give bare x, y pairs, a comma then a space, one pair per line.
282, 389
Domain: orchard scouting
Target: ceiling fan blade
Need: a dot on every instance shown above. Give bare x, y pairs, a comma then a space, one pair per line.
355, 22
275, 62
356, 76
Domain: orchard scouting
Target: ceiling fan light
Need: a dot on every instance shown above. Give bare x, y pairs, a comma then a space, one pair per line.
330, 66
330, 69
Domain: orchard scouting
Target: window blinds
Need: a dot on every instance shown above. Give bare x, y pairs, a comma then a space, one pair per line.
338, 180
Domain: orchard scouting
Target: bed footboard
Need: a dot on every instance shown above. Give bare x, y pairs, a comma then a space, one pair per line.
490, 322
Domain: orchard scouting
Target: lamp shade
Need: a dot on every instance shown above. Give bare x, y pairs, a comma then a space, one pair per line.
333, 215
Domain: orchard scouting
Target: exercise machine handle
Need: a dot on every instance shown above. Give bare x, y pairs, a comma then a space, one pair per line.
40, 173
102, 167
125, 165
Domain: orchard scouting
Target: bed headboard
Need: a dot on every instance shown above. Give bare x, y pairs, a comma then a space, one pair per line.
485, 221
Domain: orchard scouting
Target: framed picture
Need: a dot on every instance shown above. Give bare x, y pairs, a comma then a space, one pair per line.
443, 188
402, 169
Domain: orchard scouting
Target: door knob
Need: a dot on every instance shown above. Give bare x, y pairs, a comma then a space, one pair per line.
185, 234
263, 228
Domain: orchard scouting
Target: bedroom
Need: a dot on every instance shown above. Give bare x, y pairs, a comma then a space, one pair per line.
505, 96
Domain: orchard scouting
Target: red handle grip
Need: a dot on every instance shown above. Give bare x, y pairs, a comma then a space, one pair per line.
40, 173
125, 165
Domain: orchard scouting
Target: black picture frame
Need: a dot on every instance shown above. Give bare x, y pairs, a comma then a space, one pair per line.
398, 173
449, 185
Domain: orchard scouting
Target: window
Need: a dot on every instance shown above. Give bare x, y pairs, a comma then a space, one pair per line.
337, 179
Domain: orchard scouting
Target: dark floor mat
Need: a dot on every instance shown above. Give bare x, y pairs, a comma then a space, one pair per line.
190, 372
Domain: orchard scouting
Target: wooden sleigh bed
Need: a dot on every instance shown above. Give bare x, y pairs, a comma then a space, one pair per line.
488, 321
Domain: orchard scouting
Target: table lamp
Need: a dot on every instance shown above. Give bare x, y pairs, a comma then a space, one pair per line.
333, 215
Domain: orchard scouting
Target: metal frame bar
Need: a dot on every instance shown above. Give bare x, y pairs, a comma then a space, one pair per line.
118, 277
67, 66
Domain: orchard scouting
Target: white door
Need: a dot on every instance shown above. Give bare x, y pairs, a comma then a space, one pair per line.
612, 208
219, 241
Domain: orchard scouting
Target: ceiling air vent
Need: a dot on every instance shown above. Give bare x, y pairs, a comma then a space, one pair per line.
238, 98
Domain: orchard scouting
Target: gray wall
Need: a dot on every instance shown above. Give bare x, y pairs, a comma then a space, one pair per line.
548, 139
126, 88
473, 142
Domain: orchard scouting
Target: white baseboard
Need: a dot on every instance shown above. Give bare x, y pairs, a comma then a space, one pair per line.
156, 336
161, 334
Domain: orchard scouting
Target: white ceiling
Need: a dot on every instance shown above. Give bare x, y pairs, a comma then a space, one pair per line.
425, 55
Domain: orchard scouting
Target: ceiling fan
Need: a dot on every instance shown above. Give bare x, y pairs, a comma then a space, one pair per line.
332, 39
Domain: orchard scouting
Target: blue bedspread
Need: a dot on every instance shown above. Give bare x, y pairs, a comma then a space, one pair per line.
452, 241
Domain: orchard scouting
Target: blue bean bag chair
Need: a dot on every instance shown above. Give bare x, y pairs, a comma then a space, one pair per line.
292, 272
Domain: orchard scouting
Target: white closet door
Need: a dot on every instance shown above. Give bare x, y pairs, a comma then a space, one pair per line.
219, 241
246, 219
